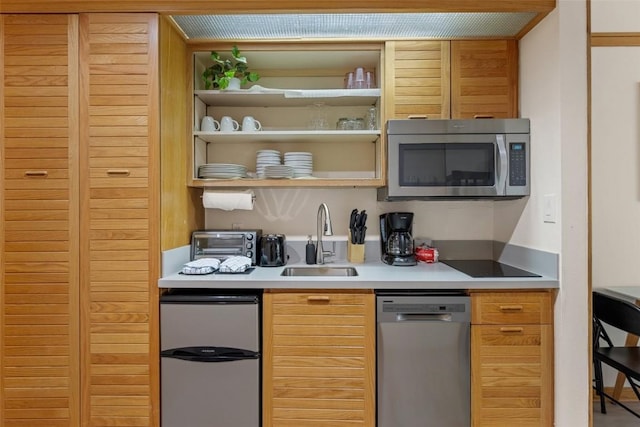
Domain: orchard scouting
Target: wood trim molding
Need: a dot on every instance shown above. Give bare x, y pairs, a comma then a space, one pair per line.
257, 6
615, 39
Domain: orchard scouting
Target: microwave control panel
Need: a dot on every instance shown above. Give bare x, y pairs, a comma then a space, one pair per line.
517, 164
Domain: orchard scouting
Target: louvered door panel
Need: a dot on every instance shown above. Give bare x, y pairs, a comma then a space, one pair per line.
319, 366
484, 78
119, 85
417, 79
511, 381
39, 300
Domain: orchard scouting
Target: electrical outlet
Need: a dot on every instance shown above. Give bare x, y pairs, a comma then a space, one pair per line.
549, 208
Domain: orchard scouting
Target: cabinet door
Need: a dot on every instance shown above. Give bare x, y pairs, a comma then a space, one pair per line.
119, 219
319, 360
417, 79
512, 375
484, 79
39, 232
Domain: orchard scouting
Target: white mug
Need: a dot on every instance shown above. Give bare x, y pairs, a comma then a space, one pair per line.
209, 124
249, 124
227, 124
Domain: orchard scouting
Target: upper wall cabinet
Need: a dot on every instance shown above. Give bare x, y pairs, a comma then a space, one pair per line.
457, 79
299, 102
417, 79
484, 79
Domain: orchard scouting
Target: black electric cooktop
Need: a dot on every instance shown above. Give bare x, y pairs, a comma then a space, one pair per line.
487, 268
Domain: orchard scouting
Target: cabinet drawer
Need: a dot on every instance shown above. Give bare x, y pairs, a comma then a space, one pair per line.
511, 308
312, 304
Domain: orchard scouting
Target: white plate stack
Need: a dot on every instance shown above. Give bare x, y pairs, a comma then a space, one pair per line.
301, 162
266, 158
222, 170
278, 171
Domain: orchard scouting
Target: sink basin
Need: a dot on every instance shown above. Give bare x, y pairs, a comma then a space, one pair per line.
320, 271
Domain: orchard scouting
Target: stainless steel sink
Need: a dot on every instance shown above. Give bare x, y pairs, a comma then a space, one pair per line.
320, 271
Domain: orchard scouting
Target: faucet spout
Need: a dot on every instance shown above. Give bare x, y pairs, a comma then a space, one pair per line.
324, 228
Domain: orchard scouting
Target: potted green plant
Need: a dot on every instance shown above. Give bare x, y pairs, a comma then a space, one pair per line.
222, 73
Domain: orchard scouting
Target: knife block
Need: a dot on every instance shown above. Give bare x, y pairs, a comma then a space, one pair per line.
355, 253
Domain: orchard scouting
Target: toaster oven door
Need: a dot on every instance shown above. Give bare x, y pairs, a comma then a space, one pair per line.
217, 245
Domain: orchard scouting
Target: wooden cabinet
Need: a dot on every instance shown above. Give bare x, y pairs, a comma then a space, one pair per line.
319, 359
298, 82
79, 193
484, 79
39, 342
119, 187
417, 79
512, 359
458, 79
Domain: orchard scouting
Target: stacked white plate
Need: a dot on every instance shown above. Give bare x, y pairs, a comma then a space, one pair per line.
278, 171
266, 158
222, 170
301, 162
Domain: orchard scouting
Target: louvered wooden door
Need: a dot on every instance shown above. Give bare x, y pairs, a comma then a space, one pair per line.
119, 219
484, 78
417, 79
39, 211
319, 359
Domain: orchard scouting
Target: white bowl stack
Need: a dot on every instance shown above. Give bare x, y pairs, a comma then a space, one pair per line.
266, 158
301, 162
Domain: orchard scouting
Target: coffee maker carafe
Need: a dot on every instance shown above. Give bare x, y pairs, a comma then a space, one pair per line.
396, 241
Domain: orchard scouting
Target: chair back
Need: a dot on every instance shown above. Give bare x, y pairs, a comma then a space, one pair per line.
616, 312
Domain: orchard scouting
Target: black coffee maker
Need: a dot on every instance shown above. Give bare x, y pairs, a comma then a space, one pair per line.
396, 242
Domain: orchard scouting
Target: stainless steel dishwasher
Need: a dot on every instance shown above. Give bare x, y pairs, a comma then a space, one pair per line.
423, 359
210, 359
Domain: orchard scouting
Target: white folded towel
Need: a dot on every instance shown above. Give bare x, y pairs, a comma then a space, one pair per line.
235, 264
201, 266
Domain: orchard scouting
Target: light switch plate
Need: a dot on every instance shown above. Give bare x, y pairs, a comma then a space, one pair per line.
550, 208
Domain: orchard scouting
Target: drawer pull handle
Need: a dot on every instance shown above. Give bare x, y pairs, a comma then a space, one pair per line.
511, 329
36, 173
318, 298
510, 308
118, 172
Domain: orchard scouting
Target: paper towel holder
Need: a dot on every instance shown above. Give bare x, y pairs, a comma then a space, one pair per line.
253, 196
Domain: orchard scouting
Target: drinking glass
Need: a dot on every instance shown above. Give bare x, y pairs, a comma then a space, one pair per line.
359, 82
318, 120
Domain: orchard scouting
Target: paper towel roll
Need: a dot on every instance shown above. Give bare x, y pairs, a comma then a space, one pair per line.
228, 200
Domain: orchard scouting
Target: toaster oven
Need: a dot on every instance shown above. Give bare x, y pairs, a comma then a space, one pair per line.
222, 244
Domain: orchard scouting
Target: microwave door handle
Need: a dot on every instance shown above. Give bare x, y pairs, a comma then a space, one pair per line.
502, 164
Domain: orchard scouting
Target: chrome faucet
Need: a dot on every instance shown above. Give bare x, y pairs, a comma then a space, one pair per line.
325, 229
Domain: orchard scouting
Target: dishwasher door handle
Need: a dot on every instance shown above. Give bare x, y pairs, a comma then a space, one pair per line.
423, 317
210, 354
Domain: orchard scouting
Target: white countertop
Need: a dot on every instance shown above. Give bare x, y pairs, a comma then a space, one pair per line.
371, 275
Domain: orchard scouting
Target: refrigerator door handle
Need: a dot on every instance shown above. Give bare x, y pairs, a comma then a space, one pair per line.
210, 354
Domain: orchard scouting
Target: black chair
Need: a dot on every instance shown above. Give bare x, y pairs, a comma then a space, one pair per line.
623, 315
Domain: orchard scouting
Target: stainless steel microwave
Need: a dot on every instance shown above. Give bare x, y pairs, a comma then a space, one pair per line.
433, 159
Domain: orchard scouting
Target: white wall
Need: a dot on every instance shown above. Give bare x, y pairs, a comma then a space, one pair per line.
540, 84
615, 16
293, 212
553, 95
615, 131
615, 171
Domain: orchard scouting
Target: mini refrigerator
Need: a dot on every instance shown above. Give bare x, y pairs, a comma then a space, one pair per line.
210, 359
